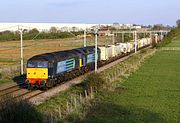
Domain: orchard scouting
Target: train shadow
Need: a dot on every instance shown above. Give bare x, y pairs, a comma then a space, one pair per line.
20, 80
106, 112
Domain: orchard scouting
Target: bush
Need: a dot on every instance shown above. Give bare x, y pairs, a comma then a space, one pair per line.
94, 80
18, 111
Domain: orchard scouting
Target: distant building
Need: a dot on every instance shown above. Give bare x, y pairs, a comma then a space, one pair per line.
105, 31
126, 26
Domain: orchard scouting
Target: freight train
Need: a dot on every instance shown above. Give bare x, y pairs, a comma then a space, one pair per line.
49, 69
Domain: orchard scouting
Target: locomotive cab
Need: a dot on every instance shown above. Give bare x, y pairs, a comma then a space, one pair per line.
37, 73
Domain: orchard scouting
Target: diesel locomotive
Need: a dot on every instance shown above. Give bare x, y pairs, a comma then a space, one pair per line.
47, 70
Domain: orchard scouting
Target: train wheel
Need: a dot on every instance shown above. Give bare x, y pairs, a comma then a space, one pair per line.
44, 88
55, 82
29, 87
59, 81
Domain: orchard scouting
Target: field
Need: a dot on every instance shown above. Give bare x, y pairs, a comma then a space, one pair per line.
152, 94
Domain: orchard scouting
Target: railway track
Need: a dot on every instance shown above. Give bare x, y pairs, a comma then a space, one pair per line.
9, 90
19, 91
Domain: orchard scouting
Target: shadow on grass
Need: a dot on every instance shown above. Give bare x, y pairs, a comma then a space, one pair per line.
18, 111
111, 113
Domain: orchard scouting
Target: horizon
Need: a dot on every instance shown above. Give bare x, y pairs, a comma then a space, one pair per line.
83, 23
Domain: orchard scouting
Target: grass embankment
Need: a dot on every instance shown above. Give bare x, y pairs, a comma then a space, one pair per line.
152, 94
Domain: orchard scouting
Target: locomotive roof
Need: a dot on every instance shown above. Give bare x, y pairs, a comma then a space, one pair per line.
61, 55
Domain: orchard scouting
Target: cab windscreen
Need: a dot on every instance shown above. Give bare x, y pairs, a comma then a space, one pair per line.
37, 64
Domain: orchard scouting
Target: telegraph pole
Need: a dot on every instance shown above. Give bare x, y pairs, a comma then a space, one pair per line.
85, 44
144, 34
161, 35
96, 54
156, 38
113, 38
135, 41
21, 36
151, 41
122, 37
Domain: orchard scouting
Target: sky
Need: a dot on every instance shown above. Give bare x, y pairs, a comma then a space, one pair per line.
91, 11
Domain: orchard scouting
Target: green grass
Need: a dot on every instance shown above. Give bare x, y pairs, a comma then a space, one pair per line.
174, 43
50, 106
7, 60
4, 81
152, 94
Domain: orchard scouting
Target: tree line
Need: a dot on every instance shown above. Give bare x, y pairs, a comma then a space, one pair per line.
53, 33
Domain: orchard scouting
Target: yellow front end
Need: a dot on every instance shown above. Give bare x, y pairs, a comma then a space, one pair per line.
37, 73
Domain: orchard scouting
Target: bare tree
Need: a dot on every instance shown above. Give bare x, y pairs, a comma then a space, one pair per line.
53, 30
158, 27
34, 30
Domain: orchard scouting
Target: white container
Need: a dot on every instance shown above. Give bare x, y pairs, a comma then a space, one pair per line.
113, 53
109, 52
144, 41
103, 56
106, 52
148, 41
128, 47
140, 43
123, 47
117, 50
